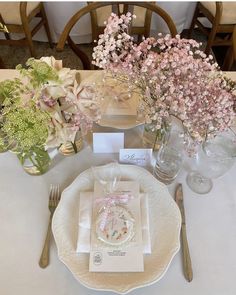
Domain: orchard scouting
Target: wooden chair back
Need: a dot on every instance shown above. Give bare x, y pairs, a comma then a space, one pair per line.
116, 7
214, 38
65, 36
25, 28
230, 57
2, 66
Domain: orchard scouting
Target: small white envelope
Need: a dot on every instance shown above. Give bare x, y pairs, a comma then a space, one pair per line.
108, 142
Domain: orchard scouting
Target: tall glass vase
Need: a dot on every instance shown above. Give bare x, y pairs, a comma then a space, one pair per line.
170, 157
153, 138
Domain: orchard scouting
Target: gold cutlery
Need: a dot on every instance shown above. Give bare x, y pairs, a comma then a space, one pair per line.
188, 272
54, 198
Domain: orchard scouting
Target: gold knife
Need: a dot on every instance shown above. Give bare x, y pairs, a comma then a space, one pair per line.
188, 272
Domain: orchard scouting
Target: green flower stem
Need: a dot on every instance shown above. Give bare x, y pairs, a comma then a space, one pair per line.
155, 141
35, 164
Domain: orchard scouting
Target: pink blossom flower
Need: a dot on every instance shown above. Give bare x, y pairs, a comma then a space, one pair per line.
175, 78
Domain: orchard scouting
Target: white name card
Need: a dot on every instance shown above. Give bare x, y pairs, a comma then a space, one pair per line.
108, 142
141, 157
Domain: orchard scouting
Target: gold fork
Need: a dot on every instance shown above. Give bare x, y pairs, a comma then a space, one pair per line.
54, 198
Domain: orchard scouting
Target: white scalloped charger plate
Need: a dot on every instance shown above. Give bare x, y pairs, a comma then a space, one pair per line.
165, 223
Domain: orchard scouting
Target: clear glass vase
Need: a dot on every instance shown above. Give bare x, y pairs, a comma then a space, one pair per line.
35, 162
170, 157
70, 148
153, 138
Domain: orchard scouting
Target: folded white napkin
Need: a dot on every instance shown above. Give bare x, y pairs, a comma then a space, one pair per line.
85, 213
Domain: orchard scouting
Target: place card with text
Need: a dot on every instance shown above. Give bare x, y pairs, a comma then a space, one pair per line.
140, 157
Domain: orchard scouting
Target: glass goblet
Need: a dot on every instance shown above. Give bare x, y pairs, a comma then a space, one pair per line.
214, 158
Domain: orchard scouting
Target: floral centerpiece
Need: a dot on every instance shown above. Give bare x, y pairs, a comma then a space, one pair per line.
173, 76
45, 109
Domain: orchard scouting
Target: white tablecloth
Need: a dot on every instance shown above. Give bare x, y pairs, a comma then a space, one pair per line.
211, 228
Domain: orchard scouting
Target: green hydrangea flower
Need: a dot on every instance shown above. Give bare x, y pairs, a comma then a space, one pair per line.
38, 72
26, 126
2, 144
9, 91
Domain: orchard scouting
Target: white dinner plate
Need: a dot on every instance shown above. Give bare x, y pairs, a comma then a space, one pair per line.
165, 223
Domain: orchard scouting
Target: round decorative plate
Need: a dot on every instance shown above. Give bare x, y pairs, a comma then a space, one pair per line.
165, 223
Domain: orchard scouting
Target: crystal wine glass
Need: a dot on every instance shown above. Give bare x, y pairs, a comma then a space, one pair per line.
214, 158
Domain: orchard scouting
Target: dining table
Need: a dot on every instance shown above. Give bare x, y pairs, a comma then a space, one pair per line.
24, 216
